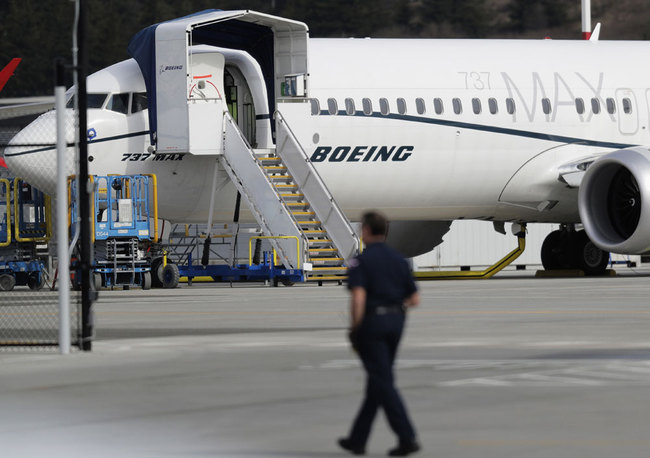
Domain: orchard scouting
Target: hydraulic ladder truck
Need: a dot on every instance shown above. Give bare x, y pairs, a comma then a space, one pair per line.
25, 226
124, 227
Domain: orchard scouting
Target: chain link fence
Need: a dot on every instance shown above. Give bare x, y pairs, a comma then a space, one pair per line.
29, 300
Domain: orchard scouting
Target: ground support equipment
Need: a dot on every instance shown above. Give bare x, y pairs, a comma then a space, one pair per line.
25, 225
125, 218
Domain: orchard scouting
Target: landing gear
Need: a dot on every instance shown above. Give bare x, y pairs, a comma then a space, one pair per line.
567, 249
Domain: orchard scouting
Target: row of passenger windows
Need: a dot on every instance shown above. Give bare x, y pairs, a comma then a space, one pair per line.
118, 103
457, 106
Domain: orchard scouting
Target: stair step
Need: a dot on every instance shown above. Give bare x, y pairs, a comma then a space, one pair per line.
292, 195
280, 177
274, 167
328, 262
326, 277
309, 223
319, 242
321, 250
302, 213
330, 269
297, 204
285, 186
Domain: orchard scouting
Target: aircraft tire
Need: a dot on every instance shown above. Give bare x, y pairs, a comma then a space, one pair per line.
7, 282
591, 259
556, 251
170, 276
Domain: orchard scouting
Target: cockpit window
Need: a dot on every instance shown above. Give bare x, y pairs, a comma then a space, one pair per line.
93, 100
119, 103
139, 102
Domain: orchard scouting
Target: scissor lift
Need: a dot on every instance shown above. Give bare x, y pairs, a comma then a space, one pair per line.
25, 222
125, 223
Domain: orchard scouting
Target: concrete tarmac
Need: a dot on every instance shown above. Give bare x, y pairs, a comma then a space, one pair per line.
505, 368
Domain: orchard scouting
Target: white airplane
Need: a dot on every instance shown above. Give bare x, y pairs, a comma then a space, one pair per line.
427, 131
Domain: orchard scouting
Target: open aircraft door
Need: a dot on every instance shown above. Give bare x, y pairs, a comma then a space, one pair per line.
185, 90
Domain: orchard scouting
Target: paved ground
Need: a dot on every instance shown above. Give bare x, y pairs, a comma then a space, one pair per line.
509, 367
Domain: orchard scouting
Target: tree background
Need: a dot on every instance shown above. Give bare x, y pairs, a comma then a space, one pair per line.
41, 30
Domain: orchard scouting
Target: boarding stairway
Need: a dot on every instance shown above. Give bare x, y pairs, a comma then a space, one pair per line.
291, 203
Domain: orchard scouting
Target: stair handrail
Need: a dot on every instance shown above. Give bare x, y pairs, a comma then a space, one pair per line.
290, 230
295, 167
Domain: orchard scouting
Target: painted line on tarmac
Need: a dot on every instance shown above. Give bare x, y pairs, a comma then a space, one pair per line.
521, 373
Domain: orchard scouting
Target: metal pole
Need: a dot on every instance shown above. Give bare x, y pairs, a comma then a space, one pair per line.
62, 213
84, 199
586, 19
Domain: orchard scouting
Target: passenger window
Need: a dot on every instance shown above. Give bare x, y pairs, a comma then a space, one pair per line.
458, 106
383, 106
437, 105
140, 102
627, 106
611, 105
580, 105
349, 106
367, 106
332, 106
401, 106
315, 107
546, 106
476, 106
510, 106
420, 106
595, 105
493, 106
119, 103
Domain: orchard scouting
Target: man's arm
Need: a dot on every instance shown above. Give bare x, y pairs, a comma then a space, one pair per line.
357, 306
413, 300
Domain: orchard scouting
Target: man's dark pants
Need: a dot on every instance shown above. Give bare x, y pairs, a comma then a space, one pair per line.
379, 336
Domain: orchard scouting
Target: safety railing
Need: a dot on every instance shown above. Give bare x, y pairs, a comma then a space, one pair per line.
38, 230
5, 217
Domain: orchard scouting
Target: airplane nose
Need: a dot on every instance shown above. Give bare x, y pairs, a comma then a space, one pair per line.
31, 154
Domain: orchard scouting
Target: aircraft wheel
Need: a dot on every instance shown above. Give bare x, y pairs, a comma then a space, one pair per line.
35, 281
7, 282
170, 276
556, 251
156, 273
591, 259
146, 280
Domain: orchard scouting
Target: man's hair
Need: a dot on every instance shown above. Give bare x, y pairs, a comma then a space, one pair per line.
375, 222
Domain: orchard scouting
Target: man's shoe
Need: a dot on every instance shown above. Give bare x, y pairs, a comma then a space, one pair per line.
347, 444
404, 449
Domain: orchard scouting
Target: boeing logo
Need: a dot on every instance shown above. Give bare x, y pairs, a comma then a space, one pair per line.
167, 68
361, 153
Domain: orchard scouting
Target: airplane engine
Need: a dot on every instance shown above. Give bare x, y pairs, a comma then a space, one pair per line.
413, 238
614, 201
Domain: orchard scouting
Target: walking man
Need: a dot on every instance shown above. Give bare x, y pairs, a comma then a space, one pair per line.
381, 288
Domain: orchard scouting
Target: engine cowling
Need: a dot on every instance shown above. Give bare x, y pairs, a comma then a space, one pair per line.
614, 201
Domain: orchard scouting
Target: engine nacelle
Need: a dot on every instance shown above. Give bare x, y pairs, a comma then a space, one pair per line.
614, 201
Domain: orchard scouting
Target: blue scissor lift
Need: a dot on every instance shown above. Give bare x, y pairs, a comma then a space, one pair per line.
124, 209
25, 222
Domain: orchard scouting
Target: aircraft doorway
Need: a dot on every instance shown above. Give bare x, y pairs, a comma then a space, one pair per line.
240, 103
